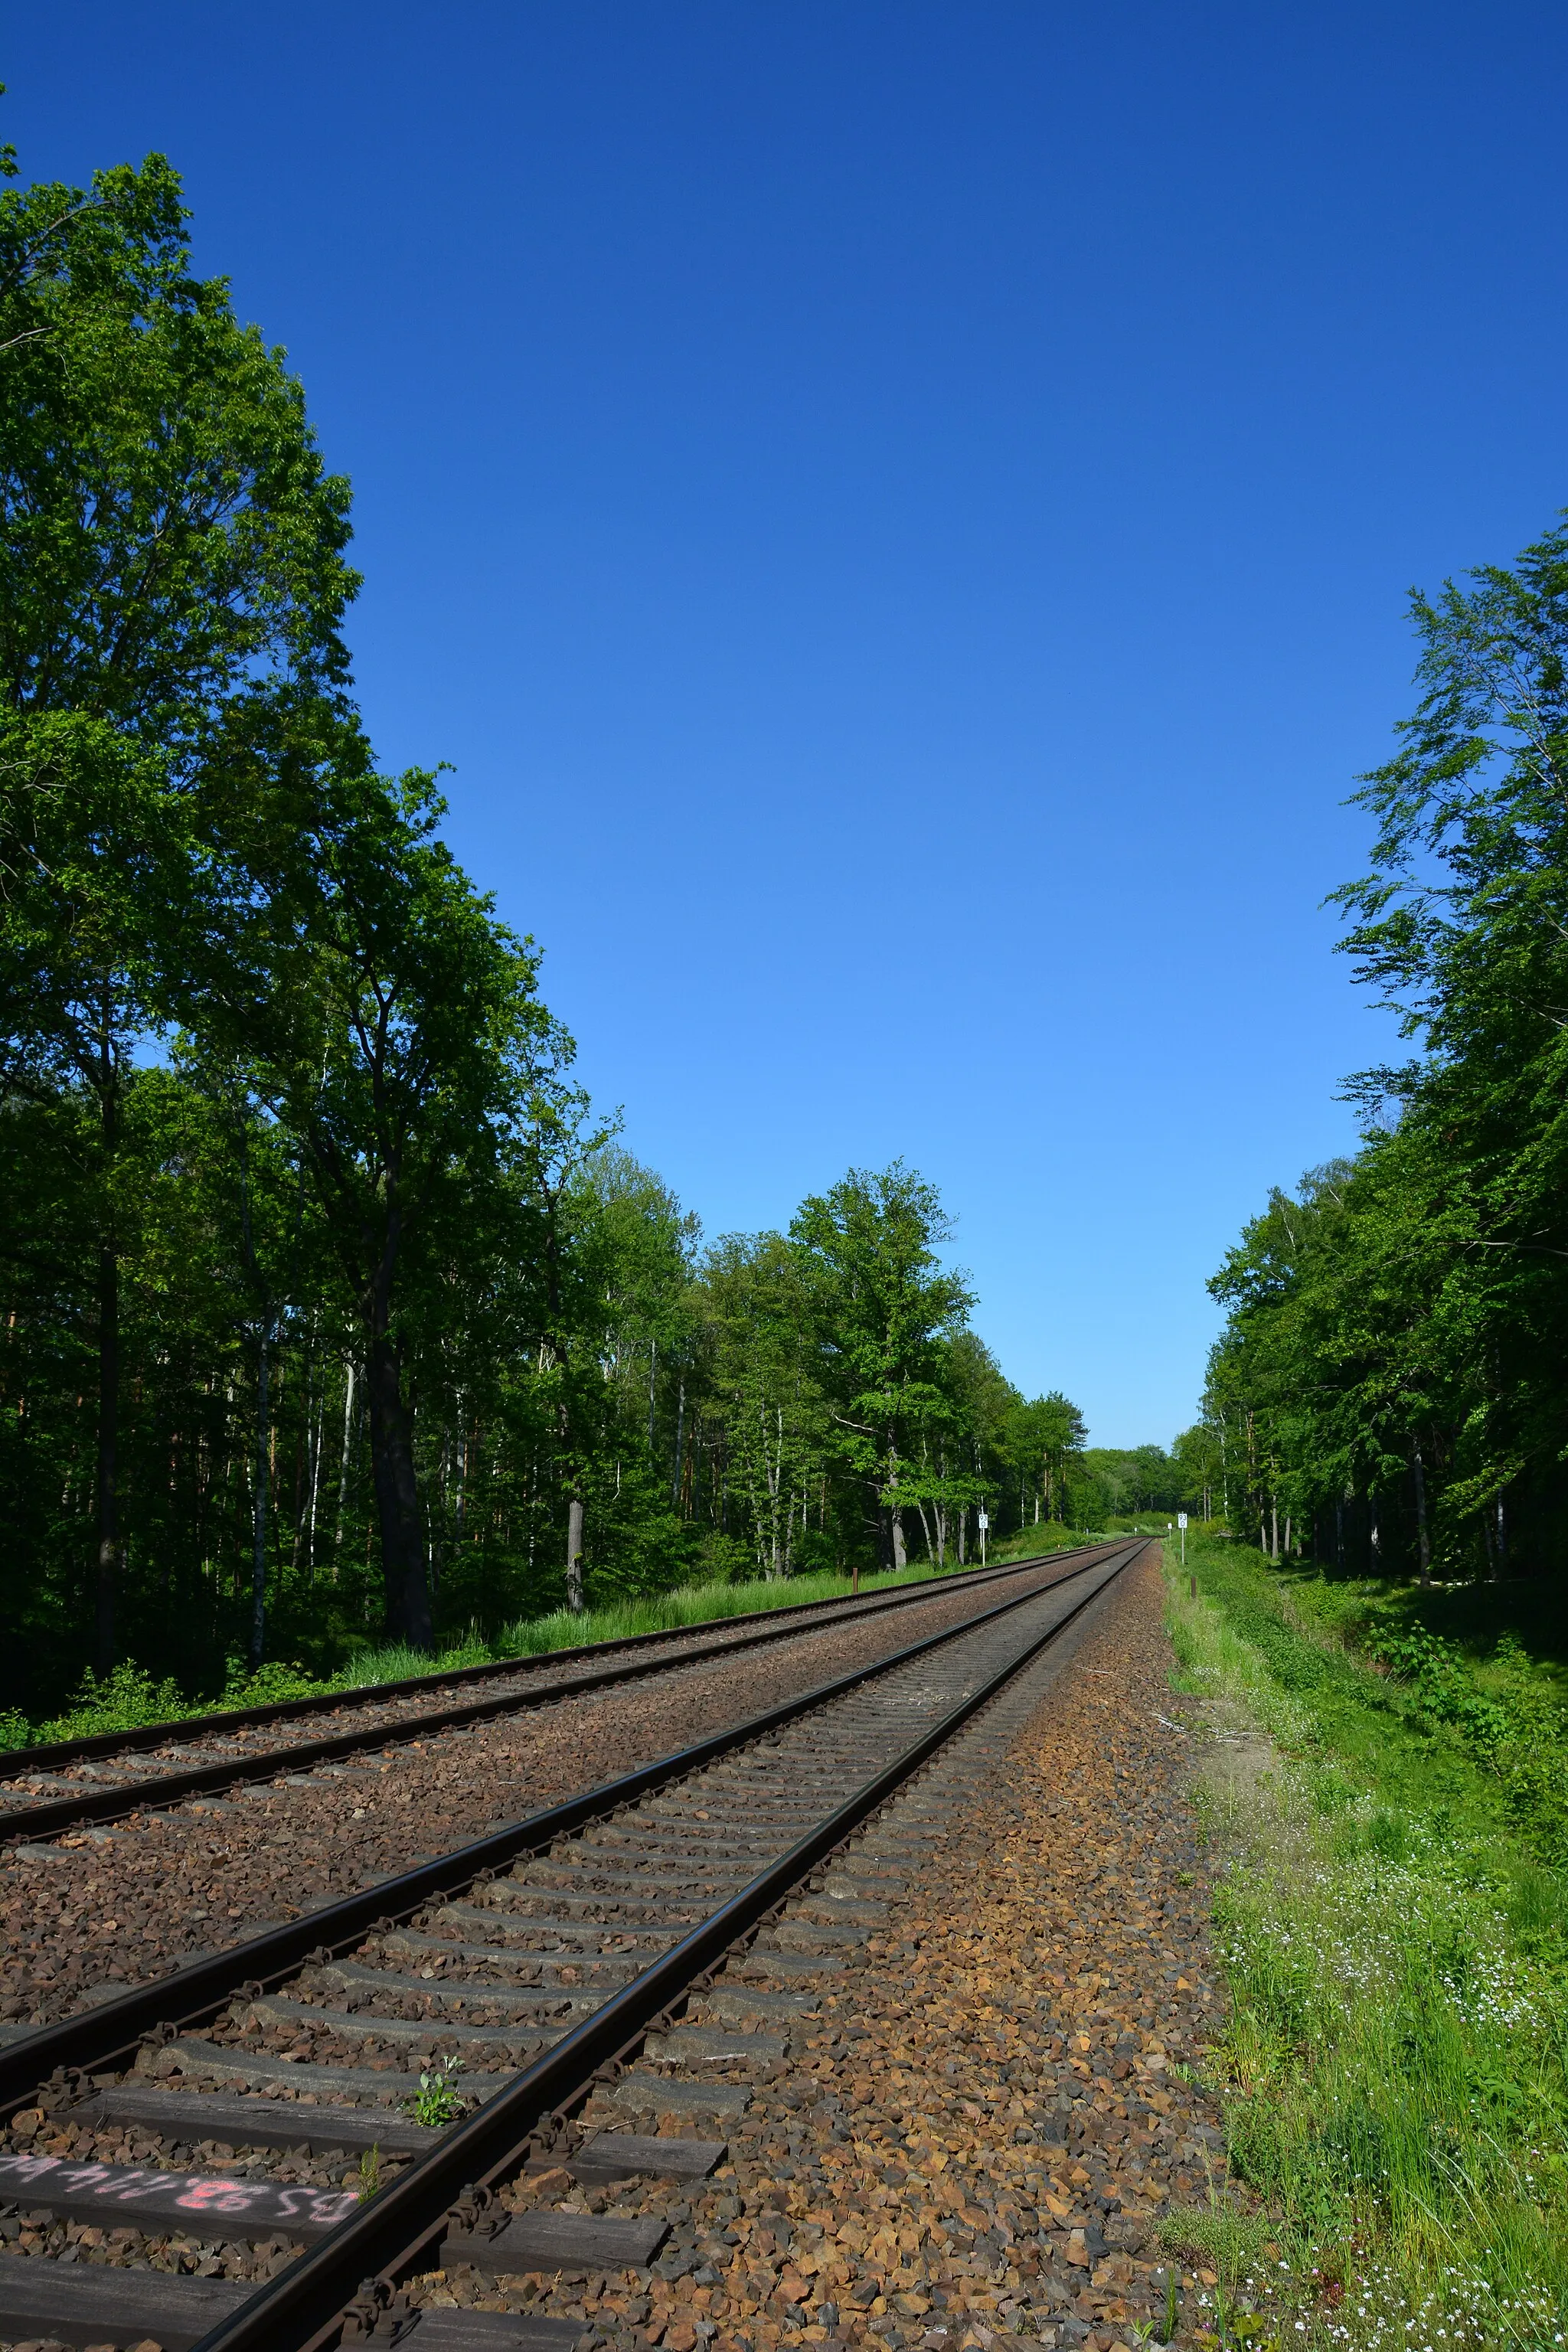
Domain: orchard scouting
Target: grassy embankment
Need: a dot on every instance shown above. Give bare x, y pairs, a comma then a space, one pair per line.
130, 1696
1387, 1805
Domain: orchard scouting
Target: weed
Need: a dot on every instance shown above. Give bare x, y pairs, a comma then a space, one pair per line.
367, 2178
437, 2101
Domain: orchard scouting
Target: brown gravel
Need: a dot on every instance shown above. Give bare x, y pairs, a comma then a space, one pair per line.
977, 2143
112, 1907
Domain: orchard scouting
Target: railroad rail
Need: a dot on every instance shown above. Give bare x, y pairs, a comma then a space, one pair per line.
552, 1958
213, 1755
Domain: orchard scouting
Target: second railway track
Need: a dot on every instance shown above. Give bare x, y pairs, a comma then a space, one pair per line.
47, 1791
203, 2122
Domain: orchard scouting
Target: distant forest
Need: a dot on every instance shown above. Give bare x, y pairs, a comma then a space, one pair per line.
330, 1309
1389, 1394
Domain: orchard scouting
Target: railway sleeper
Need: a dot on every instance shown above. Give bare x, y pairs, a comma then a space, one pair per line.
91, 2306
690, 2069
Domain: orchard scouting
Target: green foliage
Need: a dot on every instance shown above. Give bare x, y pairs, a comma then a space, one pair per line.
122, 1701
1041, 1534
127, 1698
1107, 1483
764, 1371
437, 2100
328, 1316
879, 1306
1389, 1378
1396, 2068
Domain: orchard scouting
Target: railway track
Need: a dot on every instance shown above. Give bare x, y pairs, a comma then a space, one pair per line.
228, 2118
47, 1791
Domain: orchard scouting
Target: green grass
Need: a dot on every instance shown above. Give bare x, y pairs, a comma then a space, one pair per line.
1047, 1535
129, 1697
1481, 1662
1394, 2072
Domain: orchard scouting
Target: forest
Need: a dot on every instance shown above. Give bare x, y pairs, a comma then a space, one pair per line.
332, 1310
1388, 1394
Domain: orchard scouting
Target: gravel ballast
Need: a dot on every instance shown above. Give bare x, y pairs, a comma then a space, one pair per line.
94, 1912
974, 2141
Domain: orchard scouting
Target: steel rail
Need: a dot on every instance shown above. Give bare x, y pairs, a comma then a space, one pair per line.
56, 1815
185, 1997
18, 1761
304, 2306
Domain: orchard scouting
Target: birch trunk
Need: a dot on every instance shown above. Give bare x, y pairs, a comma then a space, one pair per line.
259, 1510
108, 1440
574, 1555
344, 1460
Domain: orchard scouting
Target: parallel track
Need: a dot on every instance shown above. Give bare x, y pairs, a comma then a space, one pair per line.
617, 1907
528, 1684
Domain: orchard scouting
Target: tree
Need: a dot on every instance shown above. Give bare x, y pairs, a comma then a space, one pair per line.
395, 1027
172, 584
1389, 1372
1043, 1437
775, 1418
881, 1302
306, 1238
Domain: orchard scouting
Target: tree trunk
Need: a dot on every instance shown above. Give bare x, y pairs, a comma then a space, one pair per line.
574, 1555
318, 1446
344, 1462
108, 1440
258, 1514
679, 1445
1423, 1541
396, 1499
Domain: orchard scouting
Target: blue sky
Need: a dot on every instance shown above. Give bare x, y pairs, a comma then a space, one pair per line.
900, 517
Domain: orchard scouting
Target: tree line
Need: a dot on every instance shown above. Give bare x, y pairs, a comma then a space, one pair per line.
1389, 1391
330, 1309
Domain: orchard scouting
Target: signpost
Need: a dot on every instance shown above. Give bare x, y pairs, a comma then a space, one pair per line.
985, 1523
1182, 1523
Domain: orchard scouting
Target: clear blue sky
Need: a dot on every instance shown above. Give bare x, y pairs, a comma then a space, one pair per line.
900, 516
